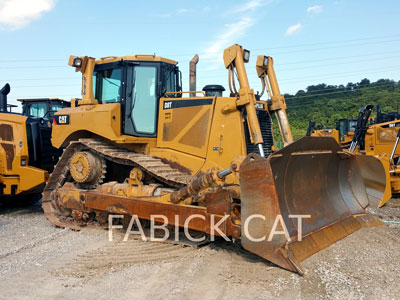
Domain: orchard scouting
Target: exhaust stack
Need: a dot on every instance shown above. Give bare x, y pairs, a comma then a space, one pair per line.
3, 97
192, 72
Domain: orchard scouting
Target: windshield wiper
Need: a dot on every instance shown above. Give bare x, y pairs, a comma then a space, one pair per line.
133, 99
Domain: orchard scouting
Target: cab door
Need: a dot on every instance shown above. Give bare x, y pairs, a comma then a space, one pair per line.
141, 107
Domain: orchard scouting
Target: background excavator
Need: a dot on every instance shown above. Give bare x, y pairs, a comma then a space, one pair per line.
26, 153
135, 146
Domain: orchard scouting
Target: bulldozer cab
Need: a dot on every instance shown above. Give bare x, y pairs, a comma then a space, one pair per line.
42, 107
385, 117
344, 126
137, 86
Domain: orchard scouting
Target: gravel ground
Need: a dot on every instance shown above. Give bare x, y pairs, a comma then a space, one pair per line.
39, 261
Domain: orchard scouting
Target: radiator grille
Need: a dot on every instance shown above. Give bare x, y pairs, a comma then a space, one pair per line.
266, 131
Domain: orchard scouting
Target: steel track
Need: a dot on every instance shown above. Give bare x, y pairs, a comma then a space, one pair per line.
154, 167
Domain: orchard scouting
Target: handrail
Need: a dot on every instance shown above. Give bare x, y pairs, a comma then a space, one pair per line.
188, 92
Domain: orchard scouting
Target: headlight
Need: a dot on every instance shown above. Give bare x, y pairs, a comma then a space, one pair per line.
246, 55
265, 61
77, 63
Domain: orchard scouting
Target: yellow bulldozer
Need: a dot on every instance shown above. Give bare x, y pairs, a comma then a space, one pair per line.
137, 145
380, 140
345, 128
26, 153
343, 133
371, 136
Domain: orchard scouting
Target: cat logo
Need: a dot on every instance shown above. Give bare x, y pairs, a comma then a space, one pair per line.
61, 120
259, 106
168, 105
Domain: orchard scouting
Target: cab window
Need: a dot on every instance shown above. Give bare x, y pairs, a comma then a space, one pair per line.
107, 85
353, 126
342, 129
53, 109
38, 109
56, 107
170, 82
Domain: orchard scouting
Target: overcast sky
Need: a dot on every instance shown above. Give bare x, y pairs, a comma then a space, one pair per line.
312, 42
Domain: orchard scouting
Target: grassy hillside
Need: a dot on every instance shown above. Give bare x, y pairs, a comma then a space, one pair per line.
328, 103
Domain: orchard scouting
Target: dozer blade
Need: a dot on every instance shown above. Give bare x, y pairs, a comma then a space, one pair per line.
312, 177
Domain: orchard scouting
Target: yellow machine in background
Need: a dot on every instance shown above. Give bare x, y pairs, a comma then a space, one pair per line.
343, 133
345, 128
370, 136
135, 145
379, 140
26, 153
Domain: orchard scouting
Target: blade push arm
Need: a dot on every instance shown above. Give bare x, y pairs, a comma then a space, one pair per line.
234, 58
266, 72
362, 126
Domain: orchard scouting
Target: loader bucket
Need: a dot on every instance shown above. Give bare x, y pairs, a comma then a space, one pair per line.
312, 177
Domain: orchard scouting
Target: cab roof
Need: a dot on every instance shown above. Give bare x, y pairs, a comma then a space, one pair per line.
138, 57
42, 99
385, 123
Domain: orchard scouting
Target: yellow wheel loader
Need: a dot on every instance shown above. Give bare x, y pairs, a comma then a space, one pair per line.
136, 145
26, 153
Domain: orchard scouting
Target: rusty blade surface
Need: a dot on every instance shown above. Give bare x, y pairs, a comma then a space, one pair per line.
309, 177
376, 179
